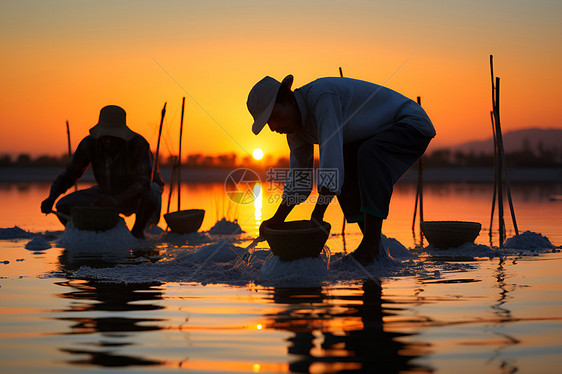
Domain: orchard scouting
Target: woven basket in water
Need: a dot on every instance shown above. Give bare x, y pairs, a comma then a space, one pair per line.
185, 221
94, 218
450, 234
296, 239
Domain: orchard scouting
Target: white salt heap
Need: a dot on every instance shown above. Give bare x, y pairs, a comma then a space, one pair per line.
225, 227
529, 240
224, 262
118, 237
38, 243
222, 251
302, 271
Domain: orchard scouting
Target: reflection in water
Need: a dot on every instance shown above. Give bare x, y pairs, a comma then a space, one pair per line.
351, 327
500, 309
92, 296
73, 258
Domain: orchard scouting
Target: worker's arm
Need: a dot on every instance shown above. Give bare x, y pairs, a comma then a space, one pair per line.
280, 215
325, 196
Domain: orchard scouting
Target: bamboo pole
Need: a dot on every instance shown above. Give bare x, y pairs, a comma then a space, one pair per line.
495, 173
172, 181
419, 195
179, 152
70, 148
500, 165
420, 180
343, 224
501, 157
155, 163
509, 200
68, 139
503, 163
501, 221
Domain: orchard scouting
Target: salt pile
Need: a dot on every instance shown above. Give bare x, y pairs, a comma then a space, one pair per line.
225, 263
395, 248
217, 263
302, 271
38, 243
198, 258
527, 243
117, 238
225, 227
222, 251
467, 250
529, 240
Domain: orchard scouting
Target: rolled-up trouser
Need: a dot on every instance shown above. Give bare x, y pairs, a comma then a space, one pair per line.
152, 201
372, 166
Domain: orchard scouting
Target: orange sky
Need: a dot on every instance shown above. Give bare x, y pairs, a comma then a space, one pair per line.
64, 60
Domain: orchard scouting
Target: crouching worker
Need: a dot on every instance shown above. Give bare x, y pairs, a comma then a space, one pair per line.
122, 164
368, 137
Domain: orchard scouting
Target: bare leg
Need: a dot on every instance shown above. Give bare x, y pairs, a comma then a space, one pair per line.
368, 249
143, 215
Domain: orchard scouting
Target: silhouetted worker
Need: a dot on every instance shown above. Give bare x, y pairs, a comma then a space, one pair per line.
368, 137
122, 164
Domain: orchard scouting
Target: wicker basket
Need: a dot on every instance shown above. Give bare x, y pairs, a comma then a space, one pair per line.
450, 234
185, 221
296, 239
94, 218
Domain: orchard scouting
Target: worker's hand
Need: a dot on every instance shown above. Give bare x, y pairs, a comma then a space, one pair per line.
47, 205
268, 222
105, 201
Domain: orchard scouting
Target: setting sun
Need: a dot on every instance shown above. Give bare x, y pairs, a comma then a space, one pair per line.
258, 154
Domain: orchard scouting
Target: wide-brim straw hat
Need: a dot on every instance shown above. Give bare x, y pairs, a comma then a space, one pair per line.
262, 99
112, 122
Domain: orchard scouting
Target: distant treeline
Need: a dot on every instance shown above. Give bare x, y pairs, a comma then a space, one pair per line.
195, 161
447, 158
443, 158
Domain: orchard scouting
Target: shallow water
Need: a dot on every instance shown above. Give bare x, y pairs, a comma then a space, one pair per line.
194, 302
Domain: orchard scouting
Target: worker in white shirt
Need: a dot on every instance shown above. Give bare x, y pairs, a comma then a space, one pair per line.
368, 137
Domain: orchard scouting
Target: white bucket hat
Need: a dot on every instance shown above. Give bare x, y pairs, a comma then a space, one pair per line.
112, 122
262, 99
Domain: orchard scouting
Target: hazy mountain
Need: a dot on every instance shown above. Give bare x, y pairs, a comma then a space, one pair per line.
535, 140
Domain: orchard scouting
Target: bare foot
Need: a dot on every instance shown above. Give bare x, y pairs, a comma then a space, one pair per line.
139, 234
365, 255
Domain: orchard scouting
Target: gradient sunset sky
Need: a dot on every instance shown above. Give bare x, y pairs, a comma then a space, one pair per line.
65, 60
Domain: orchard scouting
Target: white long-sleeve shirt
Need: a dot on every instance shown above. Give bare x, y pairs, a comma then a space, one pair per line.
336, 111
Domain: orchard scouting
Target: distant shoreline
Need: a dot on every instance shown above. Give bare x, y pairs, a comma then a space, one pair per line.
430, 175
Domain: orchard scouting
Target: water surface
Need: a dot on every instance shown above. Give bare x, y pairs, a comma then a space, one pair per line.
493, 314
